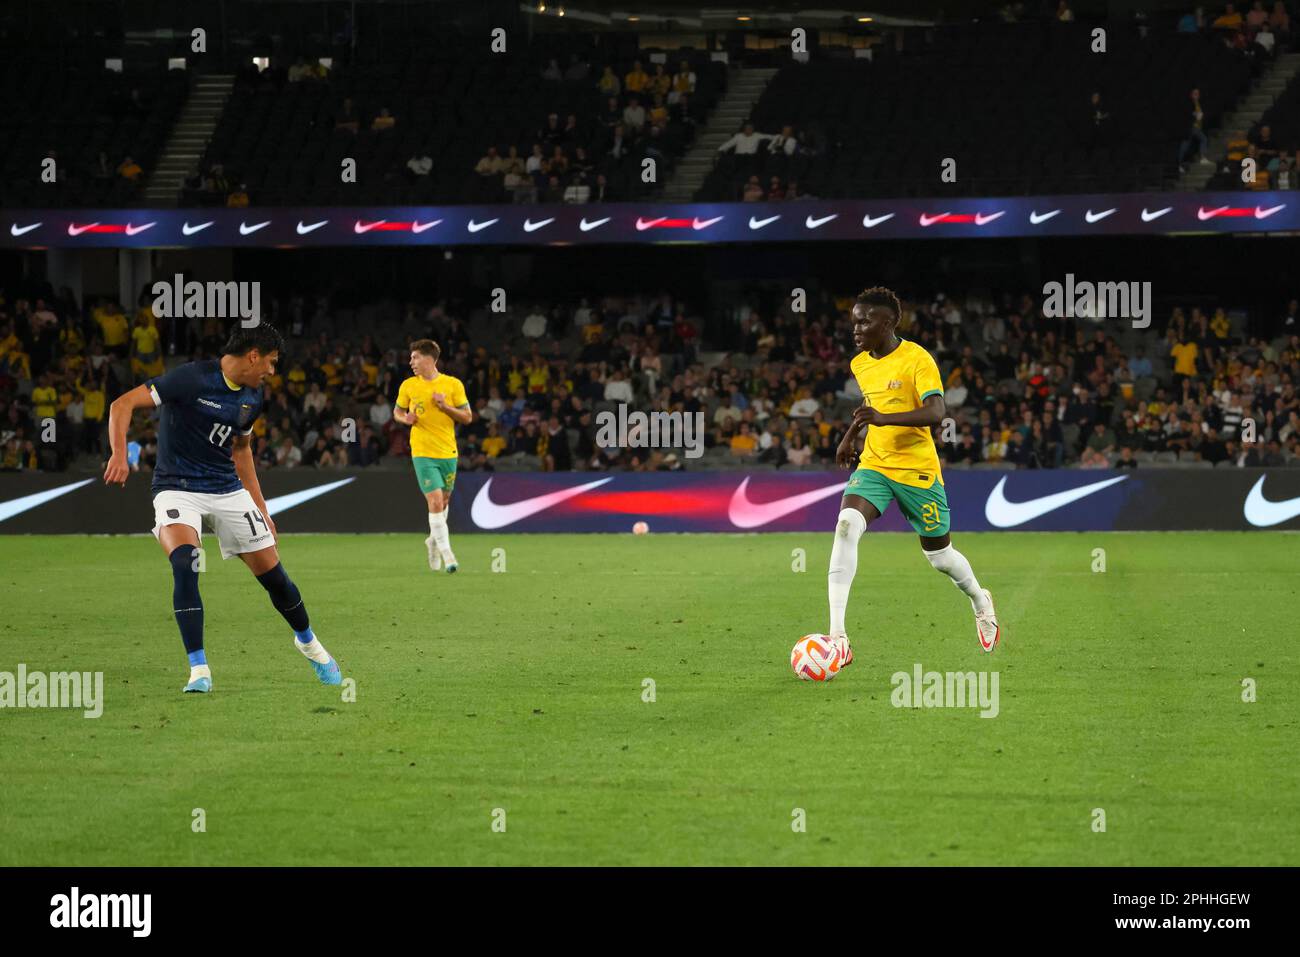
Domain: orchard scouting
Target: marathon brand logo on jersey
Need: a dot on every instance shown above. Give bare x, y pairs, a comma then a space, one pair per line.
1102, 300
56, 689
75, 910
179, 299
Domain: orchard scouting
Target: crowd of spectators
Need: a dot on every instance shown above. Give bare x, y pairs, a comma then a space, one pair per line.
774, 386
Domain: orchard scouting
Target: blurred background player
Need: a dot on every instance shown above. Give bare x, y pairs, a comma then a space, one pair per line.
431, 403
205, 469
902, 400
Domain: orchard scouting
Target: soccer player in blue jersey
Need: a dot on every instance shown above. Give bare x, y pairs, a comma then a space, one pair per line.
205, 469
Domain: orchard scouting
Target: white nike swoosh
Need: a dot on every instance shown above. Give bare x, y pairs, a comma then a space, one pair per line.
246, 230
133, 230
1265, 213
814, 223
1035, 218
16, 506
487, 514
419, 227
642, 225
1092, 217
746, 514
1148, 217
760, 223
587, 227
188, 230
529, 225
282, 503
75, 230
1004, 514
304, 230
868, 221
1202, 215
475, 227
981, 219
1262, 513
16, 230
698, 223
359, 227
931, 220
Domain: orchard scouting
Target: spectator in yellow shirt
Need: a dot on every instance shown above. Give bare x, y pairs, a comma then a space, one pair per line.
1184, 354
493, 445
743, 442
45, 399
146, 353
1220, 325
116, 330
637, 80
539, 374
238, 197
129, 169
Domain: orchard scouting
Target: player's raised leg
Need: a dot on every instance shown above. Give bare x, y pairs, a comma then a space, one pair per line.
182, 546
941, 554
285, 597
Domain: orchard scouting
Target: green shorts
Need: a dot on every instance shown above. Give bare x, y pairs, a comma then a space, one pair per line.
925, 508
434, 474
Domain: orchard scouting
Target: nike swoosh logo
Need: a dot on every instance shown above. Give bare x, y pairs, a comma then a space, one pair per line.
16, 230
869, 221
814, 223
247, 230
282, 503
1203, 215
1265, 213
475, 227
746, 514
1262, 513
981, 219
75, 230
1003, 514
304, 230
1035, 217
1148, 217
16, 506
530, 226
643, 225
188, 230
698, 223
760, 223
133, 230
1092, 217
587, 227
359, 227
418, 227
931, 220
487, 514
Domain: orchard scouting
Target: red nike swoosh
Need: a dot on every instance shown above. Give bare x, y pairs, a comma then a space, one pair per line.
746, 514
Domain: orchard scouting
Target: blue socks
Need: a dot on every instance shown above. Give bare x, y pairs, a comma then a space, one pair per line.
186, 603
284, 596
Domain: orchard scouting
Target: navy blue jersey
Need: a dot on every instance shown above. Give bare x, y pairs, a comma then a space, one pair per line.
199, 416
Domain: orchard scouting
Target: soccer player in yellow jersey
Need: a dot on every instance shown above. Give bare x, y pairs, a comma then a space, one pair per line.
902, 400
431, 402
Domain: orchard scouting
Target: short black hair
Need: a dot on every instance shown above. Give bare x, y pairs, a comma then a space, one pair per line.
263, 337
881, 296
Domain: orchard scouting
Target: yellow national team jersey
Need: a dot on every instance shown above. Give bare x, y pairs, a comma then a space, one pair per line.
900, 382
434, 435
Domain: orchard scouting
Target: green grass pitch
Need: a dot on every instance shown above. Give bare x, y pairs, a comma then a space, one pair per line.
523, 690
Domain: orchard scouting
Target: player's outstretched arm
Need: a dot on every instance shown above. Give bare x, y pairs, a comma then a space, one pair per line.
241, 454
119, 420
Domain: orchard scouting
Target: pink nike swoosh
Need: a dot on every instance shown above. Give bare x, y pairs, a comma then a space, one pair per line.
746, 514
360, 227
931, 220
1203, 214
487, 514
981, 219
133, 230
642, 225
1265, 213
419, 227
75, 230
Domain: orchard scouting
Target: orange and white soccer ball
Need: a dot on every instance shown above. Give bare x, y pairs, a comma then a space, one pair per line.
817, 658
